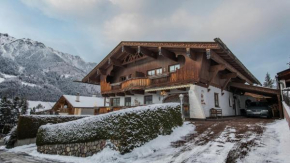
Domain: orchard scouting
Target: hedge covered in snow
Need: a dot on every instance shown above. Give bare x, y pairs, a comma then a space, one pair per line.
131, 127
28, 124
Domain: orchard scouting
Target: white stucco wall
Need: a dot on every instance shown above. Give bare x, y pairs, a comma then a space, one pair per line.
198, 109
208, 96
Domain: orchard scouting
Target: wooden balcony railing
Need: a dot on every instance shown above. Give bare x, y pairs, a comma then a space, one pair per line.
138, 82
183, 75
105, 87
126, 85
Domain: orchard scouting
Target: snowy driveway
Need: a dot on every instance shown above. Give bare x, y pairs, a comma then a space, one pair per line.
237, 140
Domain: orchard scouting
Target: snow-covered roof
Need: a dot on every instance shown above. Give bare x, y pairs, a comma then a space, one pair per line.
46, 105
85, 101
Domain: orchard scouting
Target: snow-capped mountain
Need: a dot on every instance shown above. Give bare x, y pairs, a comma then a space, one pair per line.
28, 68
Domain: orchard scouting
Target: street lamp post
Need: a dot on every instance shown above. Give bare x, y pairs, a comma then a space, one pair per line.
181, 103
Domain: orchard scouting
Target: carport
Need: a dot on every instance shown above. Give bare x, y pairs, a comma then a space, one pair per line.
240, 88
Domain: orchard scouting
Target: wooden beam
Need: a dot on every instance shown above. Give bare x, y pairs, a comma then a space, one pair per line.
229, 75
215, 69
250, 88
128, 93
220, 60
128, 50
280, 106
181, 89
102, 71
191, 54
141, 92
146, 52
168, 54
120, 94
226, 83
115, 62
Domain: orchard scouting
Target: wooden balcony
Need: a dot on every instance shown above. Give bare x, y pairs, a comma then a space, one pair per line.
131, 84
184, 75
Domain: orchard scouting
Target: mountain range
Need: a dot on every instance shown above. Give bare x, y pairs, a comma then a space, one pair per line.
32, 70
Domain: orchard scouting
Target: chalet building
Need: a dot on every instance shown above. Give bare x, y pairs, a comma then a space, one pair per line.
208, 74
79, 105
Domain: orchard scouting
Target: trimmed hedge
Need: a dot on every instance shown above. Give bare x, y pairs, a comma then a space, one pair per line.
28, 124
132, 127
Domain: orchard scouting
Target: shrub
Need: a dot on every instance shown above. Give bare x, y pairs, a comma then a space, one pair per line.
132, 127
28, 124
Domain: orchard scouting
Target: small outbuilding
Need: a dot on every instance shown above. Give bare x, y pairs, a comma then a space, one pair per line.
79, 105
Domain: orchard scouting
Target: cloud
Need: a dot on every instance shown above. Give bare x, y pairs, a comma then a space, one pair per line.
243, 25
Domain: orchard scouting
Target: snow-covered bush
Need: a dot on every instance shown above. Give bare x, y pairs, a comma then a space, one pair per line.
11, 138
28, 124
131, 127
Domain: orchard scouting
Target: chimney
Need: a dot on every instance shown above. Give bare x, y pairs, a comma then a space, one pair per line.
78, 97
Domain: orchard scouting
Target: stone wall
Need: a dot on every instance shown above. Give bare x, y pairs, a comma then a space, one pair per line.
76, 149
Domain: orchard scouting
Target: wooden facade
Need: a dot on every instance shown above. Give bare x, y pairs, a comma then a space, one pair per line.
126, 70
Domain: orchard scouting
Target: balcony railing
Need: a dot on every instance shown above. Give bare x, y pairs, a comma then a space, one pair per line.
136, 83
184, 75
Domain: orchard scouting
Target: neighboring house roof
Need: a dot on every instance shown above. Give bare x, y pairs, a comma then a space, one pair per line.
285, 74
84, 101
217, 44
46, 105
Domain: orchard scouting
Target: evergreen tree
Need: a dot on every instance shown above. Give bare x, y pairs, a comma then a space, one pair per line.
15, 110
23, 106
268, 81
32, 111
5, 115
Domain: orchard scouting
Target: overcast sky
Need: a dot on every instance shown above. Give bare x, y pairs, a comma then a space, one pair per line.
256, 31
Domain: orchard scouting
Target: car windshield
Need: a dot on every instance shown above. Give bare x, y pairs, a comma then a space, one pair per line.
258, 104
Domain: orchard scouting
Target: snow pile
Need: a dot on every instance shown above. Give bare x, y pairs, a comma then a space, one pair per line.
274, 146
132, 127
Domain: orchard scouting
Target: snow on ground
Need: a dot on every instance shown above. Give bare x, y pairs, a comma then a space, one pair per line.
274, 145
147, 153
6, 76
271, 146
29, 84
2, 80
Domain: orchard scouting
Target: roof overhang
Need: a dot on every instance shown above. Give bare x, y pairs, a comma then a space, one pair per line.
218, 46
255, 89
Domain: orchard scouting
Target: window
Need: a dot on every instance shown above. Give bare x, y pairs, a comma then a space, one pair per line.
148, 99
159, 71
115, 101
155, 72
173, 68
216, 100
127, 101
123, 78
151, 72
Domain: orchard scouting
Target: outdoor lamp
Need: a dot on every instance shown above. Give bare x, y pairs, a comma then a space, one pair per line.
181, 104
